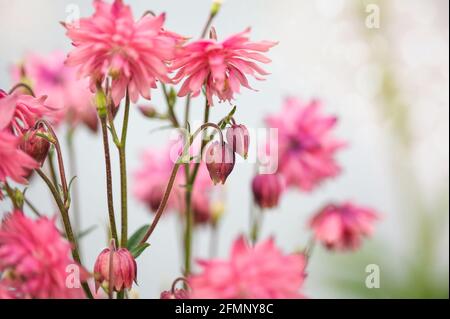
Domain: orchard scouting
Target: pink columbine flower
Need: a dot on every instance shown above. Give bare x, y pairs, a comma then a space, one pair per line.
260, 272
239, 139
222, 66
306, 145
34, 145
14, 163
220, 161
117, 267
71, 97
267, 189
34, 257
176, 294
342, 227
150, 182
19, 112
112, 44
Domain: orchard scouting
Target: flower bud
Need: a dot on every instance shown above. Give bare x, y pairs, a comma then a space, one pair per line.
176, 294
219, 162
267, 189
147, 110
34, 145
239, 139
120, 263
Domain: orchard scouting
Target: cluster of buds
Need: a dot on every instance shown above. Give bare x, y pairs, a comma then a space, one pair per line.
220, 156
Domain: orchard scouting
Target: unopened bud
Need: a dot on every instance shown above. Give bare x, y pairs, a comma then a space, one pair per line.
239, 139
147, 110
219, 161
34, 145
267, 189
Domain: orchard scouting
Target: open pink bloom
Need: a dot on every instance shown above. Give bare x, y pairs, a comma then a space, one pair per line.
14, 163
35, 257
342, 227
71, 98
19, 112
256, 272
222, 66
306, 146
132, 53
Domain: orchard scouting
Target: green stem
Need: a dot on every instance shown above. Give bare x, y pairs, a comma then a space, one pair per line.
123, 174
51, 166
109, 190
170, 107
75, 189
67, 226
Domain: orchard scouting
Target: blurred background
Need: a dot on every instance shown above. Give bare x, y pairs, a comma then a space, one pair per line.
389, 87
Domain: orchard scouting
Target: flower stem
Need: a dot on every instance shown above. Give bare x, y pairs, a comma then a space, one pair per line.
109, 190
73, 171
67, 226
123, 173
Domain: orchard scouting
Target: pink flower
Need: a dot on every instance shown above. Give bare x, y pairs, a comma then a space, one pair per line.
19, 112
132, 53
239, 139
150, 182
71, 98
306, 145
256, 272
267, 190
120, 263
342, 227
14, 163
222, 66
220, 161
34, 256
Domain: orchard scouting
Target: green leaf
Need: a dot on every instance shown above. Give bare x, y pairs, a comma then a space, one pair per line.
136, 238
139, 249
86, 231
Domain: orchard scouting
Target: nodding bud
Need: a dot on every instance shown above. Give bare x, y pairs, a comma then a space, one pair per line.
267, 189
147, 110
34, 145
116, 267
239, 139
219, 162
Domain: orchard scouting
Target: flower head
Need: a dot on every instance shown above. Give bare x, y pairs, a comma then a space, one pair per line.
176, 294
35, 257
14, 163
19, 112
116, 267
267, 189
133, 54
34, 145
342, 227
256, 272
239, 139
306, 146
222, 66
71, 97
219, 160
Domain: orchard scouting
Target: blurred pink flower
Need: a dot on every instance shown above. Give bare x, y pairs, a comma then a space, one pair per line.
35, 256
342, 227
267, 189
251, 272
70, 96
132, 53
150, 182
306, 146
223, 66
14, 163
176, 294
19, 112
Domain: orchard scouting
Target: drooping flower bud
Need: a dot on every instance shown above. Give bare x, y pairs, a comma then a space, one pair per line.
34, 145
147, 110
267, 189
176, 294
118, 262
219, 161
239, 139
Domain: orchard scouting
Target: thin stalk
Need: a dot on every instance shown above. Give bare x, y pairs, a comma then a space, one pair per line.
67, 226
123, 174
75, 202
214, 241
23, 86
109, 190
32, 207
170, 107
52, 169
